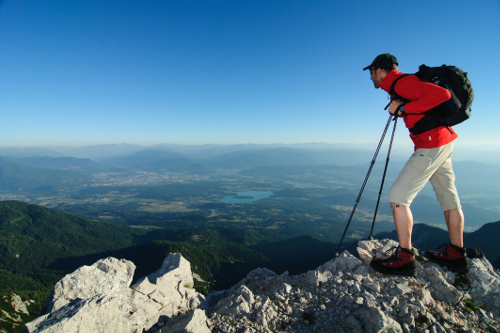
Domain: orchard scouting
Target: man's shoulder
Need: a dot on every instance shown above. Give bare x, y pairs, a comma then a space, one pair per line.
405, 81
394, 76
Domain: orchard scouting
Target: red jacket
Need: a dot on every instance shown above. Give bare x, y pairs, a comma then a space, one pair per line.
423, 96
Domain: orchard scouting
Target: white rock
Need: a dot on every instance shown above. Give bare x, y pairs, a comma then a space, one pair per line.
485, 285
373, 320
439, 286
342, 295
18, 305
98, 298
193, 322
109, 276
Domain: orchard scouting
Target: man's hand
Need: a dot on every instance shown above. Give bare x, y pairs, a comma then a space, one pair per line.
394, 105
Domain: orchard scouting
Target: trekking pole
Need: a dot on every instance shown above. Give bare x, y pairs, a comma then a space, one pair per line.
383, 177
364, 183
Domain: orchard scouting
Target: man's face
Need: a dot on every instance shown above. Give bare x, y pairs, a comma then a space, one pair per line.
376, 76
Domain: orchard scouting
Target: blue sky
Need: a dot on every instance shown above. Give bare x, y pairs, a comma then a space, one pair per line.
226, 72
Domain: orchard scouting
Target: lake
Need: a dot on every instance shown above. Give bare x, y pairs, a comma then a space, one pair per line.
248, 196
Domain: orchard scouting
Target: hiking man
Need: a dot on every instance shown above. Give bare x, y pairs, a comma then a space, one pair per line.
431, 161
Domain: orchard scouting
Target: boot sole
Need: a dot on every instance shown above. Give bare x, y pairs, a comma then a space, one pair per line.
459, 268
395, 271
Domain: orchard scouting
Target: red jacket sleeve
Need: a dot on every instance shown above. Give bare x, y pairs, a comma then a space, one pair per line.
423, 96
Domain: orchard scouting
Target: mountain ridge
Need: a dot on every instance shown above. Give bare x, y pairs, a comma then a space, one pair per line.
342, 295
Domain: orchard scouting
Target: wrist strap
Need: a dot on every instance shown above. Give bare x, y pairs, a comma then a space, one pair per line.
398, 109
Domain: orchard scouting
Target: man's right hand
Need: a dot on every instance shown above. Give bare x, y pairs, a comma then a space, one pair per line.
394, 106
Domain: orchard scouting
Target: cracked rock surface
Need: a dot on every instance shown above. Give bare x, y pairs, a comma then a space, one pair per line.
342, 295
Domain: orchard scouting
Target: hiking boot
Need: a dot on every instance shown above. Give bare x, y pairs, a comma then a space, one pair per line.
452, 256
401, 262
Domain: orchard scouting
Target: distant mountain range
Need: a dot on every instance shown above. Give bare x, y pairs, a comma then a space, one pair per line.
226, 157
85, 165
16, 175
206, 151
158, 160
162, 159
477, 183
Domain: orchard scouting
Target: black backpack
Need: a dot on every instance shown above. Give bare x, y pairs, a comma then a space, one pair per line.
453, 111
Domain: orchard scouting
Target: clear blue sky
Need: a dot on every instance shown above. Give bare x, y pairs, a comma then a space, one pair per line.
85, 72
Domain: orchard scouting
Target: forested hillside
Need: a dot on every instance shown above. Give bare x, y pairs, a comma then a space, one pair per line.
32, 238
38, 246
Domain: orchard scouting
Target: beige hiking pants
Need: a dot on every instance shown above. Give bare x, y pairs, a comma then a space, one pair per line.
424, 165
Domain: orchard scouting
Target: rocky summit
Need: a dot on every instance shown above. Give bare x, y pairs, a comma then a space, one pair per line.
342, 295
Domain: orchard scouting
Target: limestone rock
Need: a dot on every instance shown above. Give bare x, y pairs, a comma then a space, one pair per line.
373, 320
439, 287
239, 304
99, 298
342, 295
18, 305
193, 322
346, 295
108, 276
484, 285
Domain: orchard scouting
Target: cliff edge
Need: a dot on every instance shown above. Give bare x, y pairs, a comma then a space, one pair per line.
342, 295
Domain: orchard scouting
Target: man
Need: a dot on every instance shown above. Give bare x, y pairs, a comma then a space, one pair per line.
431, 161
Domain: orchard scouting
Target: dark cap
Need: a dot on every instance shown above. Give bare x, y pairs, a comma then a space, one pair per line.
384, 61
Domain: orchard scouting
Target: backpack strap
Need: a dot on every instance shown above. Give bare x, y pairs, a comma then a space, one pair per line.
392, 90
